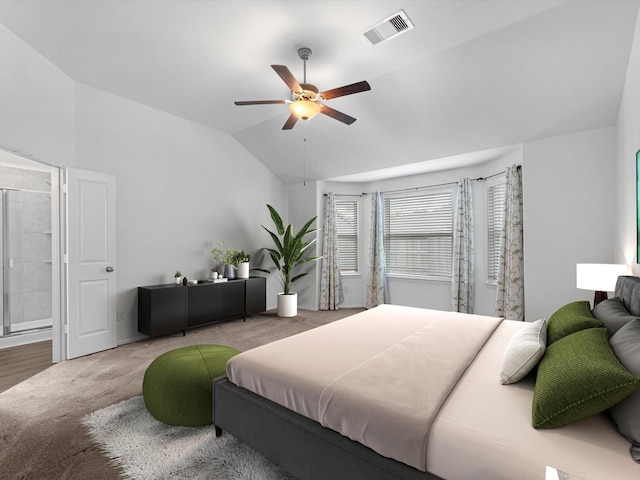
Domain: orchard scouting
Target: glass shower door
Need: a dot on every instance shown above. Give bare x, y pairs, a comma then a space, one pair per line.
26, 261
2, 262
5, 312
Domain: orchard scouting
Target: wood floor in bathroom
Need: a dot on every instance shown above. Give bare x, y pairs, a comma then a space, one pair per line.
19, 363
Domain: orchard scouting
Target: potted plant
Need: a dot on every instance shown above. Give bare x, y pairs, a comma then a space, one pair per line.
230, 258
242, 264
178, 277
288, 256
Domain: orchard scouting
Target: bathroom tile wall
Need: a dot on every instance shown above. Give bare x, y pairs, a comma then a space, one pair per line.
29, 227
1, 264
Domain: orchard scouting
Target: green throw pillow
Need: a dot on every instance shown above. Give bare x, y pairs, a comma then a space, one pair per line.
579, 376
571, 318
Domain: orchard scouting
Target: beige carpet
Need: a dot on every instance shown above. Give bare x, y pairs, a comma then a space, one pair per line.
41, 435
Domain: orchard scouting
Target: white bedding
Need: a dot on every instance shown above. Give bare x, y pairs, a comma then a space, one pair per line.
483, 429
393, 398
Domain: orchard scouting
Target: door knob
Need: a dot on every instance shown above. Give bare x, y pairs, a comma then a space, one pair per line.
109, 269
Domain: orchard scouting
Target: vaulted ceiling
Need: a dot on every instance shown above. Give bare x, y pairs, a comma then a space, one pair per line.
471, 76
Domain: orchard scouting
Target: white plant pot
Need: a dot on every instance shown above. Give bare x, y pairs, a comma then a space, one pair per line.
287, 305
178, 280
243, 270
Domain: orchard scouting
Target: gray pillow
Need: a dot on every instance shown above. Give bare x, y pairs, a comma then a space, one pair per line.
613, 314
626, 345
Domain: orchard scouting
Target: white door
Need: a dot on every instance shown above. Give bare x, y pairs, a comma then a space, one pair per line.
91, 262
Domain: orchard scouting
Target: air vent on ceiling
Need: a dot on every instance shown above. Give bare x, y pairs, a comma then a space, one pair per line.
388, 28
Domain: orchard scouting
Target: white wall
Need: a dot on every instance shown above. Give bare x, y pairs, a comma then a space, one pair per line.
628, 143
37, 117
181, 188
569, 204
304, 204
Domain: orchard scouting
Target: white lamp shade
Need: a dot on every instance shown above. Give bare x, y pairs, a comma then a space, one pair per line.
601, 277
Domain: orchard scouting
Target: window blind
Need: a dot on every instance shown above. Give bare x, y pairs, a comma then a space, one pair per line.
495, 224
347, 230
419, 234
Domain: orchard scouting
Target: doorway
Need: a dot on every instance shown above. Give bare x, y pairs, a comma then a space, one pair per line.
26, 250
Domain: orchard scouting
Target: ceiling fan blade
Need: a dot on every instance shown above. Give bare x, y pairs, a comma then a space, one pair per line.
288, 77
346, 90
291, 121
261, 102
342, 117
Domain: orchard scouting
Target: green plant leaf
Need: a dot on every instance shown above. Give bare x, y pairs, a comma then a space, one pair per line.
297, 277
277, 220
290, 249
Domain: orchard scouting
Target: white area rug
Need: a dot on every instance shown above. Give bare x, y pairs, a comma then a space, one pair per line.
145, 448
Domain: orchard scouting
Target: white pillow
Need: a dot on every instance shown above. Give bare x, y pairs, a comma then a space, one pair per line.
524, 351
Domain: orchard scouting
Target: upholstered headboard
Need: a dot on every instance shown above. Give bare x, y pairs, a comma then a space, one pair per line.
628, 290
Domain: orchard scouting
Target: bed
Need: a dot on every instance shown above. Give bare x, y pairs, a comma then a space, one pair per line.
405, 393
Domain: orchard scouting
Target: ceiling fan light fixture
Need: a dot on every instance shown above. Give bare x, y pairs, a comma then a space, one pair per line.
305, 109
306, 100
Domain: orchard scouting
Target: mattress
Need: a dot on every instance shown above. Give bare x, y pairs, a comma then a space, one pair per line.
482, 430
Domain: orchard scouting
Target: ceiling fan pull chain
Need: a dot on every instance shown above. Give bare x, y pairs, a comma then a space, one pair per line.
304, 162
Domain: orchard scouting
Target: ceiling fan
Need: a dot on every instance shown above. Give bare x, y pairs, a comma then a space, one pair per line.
306, 100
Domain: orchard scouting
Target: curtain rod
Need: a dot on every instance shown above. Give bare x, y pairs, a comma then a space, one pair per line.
425, 186
518, 167
348, 194
419, 188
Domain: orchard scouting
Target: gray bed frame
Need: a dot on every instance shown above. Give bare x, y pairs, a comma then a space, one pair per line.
301, 446
312, 452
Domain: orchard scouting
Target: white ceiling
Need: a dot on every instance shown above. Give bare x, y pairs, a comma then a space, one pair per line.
472, 76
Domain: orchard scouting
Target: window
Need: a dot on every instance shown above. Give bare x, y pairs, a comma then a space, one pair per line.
495, 224
347, 229
418, 234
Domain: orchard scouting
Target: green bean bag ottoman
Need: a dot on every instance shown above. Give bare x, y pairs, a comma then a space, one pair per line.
178, 385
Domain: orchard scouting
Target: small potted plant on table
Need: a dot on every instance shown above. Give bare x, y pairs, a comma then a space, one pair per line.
243, 264
231, 258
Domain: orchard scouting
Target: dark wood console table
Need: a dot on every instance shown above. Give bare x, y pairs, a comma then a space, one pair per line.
168, 309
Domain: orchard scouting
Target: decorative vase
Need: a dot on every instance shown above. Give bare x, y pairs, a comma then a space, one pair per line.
287, 305
229, 272
243, 270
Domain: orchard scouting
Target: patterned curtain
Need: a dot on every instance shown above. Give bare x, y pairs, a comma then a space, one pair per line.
330, 284
462, 281
377, 286
510, 295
